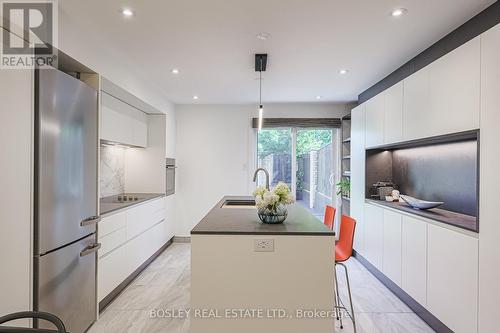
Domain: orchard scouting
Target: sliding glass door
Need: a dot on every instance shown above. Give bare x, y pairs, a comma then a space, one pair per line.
302, 158
274, 153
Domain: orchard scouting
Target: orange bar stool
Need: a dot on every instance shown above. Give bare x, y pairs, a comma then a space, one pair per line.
343, 251
329, 219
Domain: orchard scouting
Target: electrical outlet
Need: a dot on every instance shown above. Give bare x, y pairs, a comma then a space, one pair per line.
263, 245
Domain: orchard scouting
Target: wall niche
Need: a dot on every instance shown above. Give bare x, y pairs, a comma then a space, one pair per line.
444, 168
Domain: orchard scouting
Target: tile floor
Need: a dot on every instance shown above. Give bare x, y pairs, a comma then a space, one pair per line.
165, 285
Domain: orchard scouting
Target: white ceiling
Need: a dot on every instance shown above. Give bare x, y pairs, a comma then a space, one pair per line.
213, 42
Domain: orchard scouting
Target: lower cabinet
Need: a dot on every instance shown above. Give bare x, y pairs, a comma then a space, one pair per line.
112, 269
437, 266
414, 258
374, 235
144, 246
452, 285
131, 237
391, 257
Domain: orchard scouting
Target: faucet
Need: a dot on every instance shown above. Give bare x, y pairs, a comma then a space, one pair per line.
267, 176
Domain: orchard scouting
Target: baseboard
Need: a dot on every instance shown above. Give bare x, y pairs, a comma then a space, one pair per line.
419, 310
103, 304
179, 239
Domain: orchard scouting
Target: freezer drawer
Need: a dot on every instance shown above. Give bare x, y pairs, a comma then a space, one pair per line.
67, 284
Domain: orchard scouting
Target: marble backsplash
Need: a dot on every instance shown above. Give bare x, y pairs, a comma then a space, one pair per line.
112, 169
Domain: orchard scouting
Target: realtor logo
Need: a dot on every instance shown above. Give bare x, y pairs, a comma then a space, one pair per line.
29, 33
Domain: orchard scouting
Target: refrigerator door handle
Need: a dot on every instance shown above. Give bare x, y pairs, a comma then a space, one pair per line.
90, 249
90, 220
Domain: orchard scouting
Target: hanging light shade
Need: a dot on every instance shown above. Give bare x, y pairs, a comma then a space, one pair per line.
260, 66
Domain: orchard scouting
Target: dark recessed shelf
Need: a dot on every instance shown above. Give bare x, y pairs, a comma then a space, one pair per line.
346, 140
347, 157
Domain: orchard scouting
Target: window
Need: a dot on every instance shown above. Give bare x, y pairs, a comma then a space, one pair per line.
303, 159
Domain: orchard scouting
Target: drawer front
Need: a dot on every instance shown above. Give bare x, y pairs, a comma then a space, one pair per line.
111, 223
112, 241
156, 205
144, 217
113, 269
144, 246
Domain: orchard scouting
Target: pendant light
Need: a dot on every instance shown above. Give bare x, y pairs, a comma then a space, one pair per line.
261, 108
260, 66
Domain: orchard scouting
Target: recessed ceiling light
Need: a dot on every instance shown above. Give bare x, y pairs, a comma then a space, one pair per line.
399, 12
195, 97
318, 97
263, 35
127, 12
343, 71
175, 71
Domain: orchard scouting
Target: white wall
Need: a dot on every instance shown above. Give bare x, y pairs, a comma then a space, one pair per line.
16, 175
214, 148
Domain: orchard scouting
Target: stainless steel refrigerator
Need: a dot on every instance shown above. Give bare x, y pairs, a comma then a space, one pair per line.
65, 244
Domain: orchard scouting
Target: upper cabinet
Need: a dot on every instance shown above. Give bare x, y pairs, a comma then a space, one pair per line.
375, 120
393, 114
123, 123
489, 250
384, 117
443, 97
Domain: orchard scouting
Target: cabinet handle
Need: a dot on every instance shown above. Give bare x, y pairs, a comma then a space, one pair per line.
90, 220
90, 249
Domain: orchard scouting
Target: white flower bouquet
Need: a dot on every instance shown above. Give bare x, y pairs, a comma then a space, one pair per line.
271, 204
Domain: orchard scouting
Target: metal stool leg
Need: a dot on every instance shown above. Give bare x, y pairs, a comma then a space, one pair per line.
335, 297
350, 296
337, 300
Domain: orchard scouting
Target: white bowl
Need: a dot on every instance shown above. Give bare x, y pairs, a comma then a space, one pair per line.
420, 204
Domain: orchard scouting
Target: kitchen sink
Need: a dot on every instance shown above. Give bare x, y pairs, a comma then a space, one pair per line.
239, 203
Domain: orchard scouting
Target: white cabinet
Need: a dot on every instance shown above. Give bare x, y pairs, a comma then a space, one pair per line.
392, 246
127, 240
375, 109
123, 123
112, 223
142, 247
455, 90
112, 270
443, 97
416, 115
489, 244
384, 117
140, 133
452, 271
393, 114
374, 235
358, 175
414, 258
144, 217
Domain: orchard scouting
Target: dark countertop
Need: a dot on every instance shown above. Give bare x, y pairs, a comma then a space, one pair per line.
110, 204
244, 221
440, 215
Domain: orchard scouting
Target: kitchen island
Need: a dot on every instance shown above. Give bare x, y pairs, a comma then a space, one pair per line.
247, 276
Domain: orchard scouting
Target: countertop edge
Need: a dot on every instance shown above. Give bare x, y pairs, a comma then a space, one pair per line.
418, 215
254, 233
135, 204
267, 233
